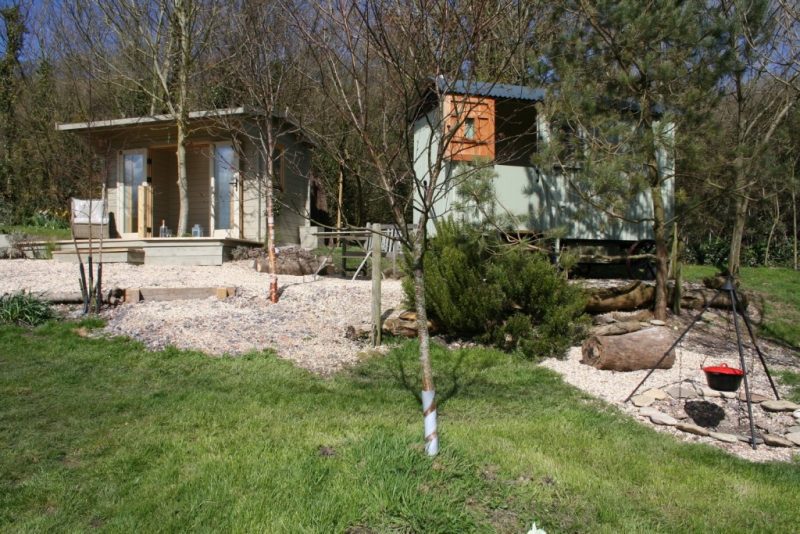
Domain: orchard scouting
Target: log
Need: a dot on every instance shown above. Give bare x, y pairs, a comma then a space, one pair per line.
405, 324
638, 295
630, 352
697, 298
358, 332
630, 297
617, 329
402, 327
66, 297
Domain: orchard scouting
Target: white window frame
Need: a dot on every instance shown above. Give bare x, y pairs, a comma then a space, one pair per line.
234, 230
123, 222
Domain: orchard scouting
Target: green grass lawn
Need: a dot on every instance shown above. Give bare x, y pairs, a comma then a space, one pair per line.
99, 433
781, 291
38, 232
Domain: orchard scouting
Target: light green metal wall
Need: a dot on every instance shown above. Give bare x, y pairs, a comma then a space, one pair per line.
542, 202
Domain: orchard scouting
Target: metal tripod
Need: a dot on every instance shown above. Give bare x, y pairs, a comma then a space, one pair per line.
729, 288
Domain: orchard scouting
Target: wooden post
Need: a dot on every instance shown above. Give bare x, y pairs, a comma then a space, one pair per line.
145, 209
676, 271
376, 284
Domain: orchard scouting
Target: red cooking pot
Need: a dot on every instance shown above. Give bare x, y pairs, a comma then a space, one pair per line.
723, 378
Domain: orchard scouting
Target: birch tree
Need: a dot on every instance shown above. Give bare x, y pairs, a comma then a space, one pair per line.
260, 54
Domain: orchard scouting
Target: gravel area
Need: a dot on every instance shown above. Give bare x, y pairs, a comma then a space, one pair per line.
614, 387
306, 326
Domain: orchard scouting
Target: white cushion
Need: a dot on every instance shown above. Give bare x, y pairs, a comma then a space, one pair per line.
89, 211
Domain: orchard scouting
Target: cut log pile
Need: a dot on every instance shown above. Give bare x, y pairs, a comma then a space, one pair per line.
638, 295
402, 325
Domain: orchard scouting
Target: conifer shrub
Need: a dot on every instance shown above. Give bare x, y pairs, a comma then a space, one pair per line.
480, 288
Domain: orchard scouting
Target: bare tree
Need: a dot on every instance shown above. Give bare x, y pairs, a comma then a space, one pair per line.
261, 56
155, 47
383, 68
762, 49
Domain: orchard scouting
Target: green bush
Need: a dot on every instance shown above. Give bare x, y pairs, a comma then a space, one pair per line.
507, 296
24, 309
48, 220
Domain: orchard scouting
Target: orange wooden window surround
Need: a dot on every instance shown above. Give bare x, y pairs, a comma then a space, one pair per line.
469, 115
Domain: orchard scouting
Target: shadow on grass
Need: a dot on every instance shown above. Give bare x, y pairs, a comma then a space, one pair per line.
456, 373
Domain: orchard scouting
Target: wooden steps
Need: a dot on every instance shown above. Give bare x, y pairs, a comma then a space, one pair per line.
156, 251
149, 294
134, 256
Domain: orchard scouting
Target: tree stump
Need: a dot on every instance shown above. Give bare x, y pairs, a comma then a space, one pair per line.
630, 352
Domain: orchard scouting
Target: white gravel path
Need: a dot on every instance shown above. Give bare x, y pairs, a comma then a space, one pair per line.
307, 326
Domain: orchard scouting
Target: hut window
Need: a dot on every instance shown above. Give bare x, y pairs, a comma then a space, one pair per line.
469, 128
470, 122
278, 167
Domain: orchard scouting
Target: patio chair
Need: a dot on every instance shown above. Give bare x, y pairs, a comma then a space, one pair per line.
89, 218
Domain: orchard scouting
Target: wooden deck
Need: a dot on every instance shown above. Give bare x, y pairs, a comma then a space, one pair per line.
156, 251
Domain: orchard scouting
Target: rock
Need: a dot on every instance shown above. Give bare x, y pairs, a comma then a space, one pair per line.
776, 441
656, 393
680, 415
796, 414
725, 438
657, 322
638, 315
616, 329
684, 390
603, 319
794, 437
779, 406
710, 393
663, 419
692, 429
641, 401
754, 397
708, 317
793, 429
728, 394
648, 411
748, 439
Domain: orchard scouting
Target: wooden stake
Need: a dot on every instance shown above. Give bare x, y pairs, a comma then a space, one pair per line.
676, 271
376, 284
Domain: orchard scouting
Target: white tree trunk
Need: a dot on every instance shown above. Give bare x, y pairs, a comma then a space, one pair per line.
428, 391
183, 182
